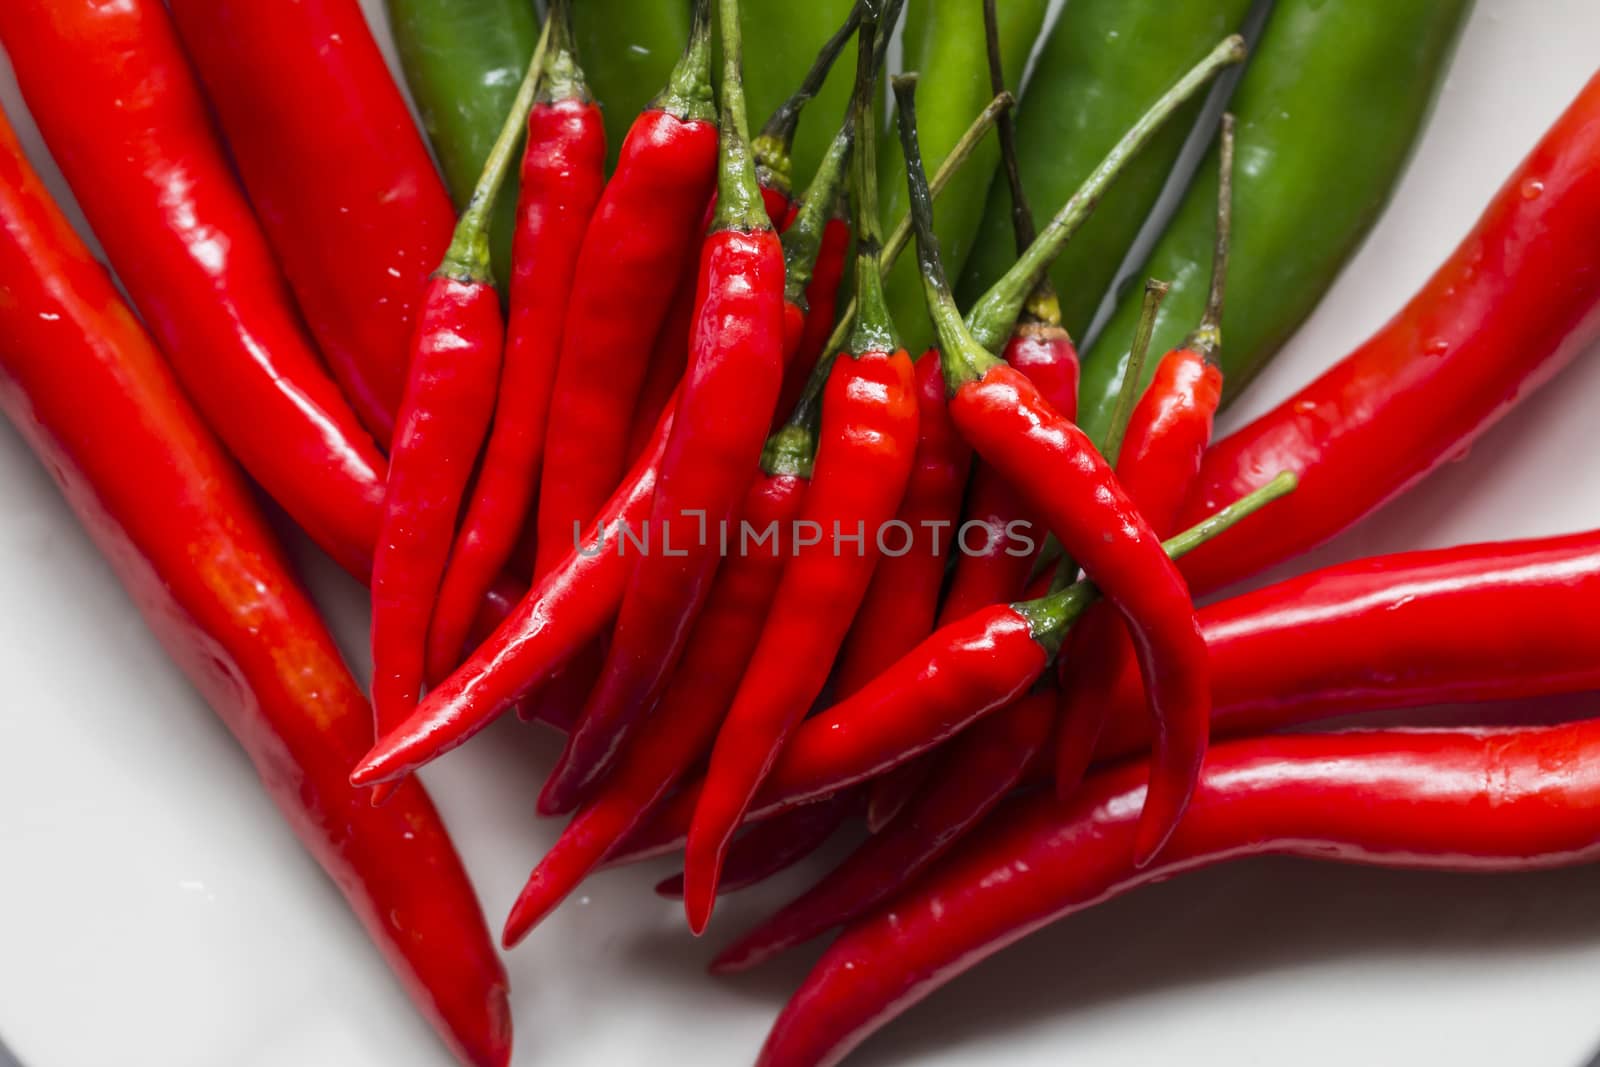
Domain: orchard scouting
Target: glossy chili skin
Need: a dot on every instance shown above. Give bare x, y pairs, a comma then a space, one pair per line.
902, 602
450, 398
643, 236
685, 723
566, 608
562, 177
771, 847
1303, 203
1101, 65
964, 784
337, 174
1500, 800
864, 456
87, 389
1515, 302
1497, 621
132, 135
462, 61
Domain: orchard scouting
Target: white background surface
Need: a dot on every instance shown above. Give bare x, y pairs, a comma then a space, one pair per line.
154, 911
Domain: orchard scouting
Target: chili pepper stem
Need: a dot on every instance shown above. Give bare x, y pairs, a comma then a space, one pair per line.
467, 258
563, 78
1050, 617
1155, 292
995, 314
1207, 337
774, 144
739, 202
688, 91
874, 330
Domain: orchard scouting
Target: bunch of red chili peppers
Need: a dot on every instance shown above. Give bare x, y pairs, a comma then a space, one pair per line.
663, 490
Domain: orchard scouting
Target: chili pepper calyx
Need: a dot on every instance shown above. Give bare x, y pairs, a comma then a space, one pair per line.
562, 76
739, 202
792, 450
774, 144
688, 93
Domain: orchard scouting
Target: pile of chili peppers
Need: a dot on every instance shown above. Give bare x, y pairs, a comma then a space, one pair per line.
625, 436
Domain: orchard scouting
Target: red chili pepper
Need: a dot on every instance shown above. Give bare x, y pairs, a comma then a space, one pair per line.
1517, 300
1058, 472
337, 173
641, 239
724, 412
1501, 800
86, 387
672, 739
444, 418
771, 847
563, 173
566, 609
864, 452
1158, 459
133, 137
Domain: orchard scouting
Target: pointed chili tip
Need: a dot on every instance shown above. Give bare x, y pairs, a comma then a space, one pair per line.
699, 895
1156, 825
558, 796
382, 792
670, 888
520, 921
491, 1045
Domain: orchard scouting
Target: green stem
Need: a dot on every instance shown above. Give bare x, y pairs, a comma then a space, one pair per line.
900, 236
775, 143
1207, 337
739, 202
1050, 617
874, 329
1128, 393
803, 239
467, 258
995, 314
688, 91
961, 358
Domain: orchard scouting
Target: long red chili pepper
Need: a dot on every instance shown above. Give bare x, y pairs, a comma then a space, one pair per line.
771, 847
685, 724
133, 137
1058, 472
337, 173
1158, 459
642, 238
86, 387
864, 453
1500, 800
563, 173
1515, 302
724, 412
444, 418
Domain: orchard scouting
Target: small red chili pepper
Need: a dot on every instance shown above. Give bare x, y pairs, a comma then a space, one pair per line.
685, 723
86, 387
771, 847
337, 174
1472, 801
1057, 471
869, 429
724, 412
444, 418
563, 173
132, 133
642, 238
1517, 300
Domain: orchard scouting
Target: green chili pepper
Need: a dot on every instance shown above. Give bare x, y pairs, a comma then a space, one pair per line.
628, 48
944, 42
781, 38
1328, 111
463, 61
1102, 65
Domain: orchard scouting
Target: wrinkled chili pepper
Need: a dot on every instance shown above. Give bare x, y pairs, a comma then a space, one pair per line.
864, 452
1477, 801
562, 177
87, 389
642, 237
724, 412
337, 174
132, 134
1058, 472
444, 418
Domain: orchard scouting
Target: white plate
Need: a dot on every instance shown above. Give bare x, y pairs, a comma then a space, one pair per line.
154, 911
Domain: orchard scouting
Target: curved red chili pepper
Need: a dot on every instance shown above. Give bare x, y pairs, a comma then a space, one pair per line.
1502, 800
641, 239
1515, 302
562, 613
1057, 471
773, 846
133, 136
86, 387
685, 723
724, 412
337, 174
966, 783
563, 173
